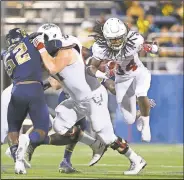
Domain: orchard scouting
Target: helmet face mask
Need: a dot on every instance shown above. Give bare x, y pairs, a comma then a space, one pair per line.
115, 33
117, 43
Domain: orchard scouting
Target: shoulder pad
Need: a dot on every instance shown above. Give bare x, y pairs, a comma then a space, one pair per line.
69, 40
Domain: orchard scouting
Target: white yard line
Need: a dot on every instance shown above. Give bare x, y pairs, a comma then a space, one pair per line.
119, 165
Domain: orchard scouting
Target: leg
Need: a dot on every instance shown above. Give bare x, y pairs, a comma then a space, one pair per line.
128, 109
104, 129
123, 94
142, 87
67, 115
66, 165
17, 111
39, 115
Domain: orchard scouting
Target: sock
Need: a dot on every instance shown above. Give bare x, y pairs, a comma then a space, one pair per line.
86, 139
145, 120
131, 155
68, 152
13, 150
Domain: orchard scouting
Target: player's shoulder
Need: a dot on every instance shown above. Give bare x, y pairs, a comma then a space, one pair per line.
69, 40
135, 37
134, 43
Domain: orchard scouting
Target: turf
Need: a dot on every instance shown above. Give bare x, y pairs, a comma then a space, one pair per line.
164, 161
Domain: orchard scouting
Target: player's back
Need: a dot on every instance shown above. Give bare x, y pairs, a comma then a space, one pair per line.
23, 62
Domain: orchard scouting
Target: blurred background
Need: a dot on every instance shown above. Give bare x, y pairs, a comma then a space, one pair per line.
160, 21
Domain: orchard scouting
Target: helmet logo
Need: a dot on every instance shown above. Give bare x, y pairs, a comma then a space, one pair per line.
48, 26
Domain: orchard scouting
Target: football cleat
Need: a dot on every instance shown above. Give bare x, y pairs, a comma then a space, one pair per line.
19, 167
136, 167
98, 150
66, 167
26, 163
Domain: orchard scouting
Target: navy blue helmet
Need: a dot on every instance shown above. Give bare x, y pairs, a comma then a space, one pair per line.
14, 36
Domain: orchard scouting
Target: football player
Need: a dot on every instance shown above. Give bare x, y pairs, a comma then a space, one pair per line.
116, 42
88, 98
23, 64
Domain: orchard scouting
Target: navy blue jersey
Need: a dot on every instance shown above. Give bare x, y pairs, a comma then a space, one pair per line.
23, 62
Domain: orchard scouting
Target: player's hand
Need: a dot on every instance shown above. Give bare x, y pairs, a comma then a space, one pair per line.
110, 69
38, 42
147, 47
152, 103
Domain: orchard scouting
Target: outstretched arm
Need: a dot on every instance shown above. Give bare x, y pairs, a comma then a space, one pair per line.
53, 64
150, 47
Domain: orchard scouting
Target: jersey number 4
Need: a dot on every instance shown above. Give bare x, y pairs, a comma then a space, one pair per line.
20, 56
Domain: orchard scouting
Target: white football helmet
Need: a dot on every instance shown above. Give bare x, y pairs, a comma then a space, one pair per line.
115, 33
50, 32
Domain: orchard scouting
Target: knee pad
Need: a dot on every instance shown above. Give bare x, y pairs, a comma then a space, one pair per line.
120, 145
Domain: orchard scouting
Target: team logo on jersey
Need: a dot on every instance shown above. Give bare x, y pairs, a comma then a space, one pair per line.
98, 99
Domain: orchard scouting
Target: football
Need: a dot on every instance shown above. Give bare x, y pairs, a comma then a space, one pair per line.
106, 64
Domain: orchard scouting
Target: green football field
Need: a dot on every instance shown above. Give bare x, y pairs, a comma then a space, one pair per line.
163, 161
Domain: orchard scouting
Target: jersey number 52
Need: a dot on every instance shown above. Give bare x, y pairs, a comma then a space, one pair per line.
20, 56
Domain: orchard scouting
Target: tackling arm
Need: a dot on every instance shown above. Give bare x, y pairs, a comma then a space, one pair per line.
53, 64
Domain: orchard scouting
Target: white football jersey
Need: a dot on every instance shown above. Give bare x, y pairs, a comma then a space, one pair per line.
127, 58
74, 75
